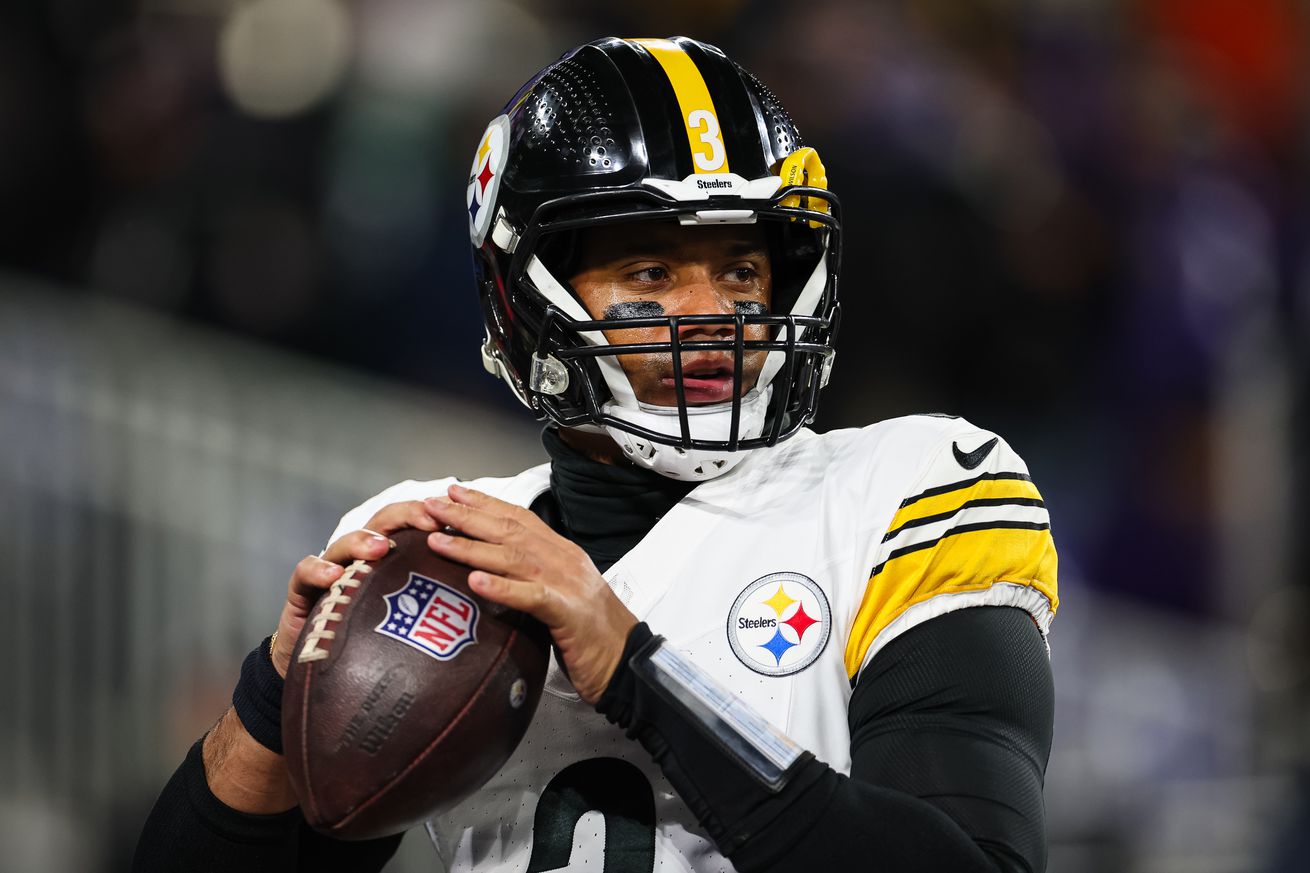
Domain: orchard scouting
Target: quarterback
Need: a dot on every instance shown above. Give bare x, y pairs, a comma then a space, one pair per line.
775, 649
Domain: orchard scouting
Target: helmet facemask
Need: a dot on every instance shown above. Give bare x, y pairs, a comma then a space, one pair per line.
578, 380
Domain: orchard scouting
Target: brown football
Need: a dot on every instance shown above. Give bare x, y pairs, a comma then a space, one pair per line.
407, 691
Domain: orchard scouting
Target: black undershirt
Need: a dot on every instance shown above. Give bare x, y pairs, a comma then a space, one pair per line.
950, 732
605, 508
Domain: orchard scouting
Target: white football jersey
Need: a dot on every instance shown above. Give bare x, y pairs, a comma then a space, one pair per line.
781, 580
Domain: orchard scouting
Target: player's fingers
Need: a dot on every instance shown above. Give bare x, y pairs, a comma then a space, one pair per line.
363, 545
313, 573
531, 597
487, 503
395, 516
507, 560
489, 526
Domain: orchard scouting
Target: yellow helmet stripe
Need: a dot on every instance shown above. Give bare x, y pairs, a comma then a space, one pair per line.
704, 136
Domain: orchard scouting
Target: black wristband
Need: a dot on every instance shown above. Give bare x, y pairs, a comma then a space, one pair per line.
616, 703
258, 697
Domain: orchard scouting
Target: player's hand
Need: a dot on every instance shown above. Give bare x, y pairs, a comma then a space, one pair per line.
520, 562
316, 573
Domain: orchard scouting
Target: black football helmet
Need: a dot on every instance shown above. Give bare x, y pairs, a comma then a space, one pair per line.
622, 130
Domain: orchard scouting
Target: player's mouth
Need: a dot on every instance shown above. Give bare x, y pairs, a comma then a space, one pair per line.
705, 381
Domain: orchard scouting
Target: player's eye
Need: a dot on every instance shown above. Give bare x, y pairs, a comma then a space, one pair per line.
649, 274
742, 274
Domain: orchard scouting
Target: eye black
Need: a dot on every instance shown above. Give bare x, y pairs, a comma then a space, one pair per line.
634, 309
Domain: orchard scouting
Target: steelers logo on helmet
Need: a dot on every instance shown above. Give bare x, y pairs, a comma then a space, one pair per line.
484, 177
780, 624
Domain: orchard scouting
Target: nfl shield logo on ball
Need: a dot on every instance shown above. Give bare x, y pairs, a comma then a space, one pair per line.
430, 616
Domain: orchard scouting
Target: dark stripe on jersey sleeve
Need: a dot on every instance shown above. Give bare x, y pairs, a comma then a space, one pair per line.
981, 501
960, 529
965, 483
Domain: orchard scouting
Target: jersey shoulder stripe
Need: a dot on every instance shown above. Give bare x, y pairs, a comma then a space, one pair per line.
955, 542
989, 489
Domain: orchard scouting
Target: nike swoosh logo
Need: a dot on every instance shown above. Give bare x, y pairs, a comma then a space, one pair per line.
969, 460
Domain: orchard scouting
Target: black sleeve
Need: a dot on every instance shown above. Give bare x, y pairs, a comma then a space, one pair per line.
192, 831
950, 735
959, 712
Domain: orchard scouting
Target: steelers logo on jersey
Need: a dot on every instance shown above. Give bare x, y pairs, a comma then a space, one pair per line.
484, 177
780, 624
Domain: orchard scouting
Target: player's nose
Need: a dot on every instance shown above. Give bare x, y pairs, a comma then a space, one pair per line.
700, 296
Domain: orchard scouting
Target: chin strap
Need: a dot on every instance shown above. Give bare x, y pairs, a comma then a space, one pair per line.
705, 422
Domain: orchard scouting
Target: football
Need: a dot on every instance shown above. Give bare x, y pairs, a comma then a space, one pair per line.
407, 691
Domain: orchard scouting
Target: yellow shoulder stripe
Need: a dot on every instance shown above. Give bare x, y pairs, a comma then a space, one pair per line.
698, 114
981, 489
967, 558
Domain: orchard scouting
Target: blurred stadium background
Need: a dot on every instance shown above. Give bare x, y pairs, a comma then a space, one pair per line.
235, 299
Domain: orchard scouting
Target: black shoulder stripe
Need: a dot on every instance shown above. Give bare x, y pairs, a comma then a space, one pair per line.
964, 483
968, 504
959, 529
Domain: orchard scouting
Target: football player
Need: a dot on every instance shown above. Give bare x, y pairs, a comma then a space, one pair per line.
776, 649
